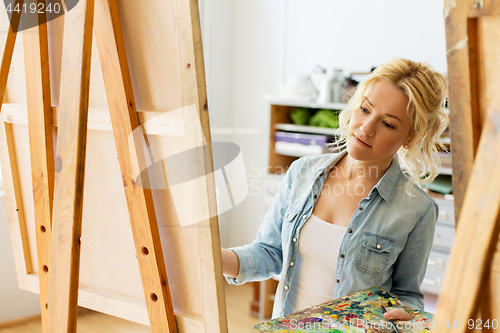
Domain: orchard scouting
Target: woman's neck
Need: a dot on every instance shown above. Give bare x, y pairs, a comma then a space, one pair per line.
353, 169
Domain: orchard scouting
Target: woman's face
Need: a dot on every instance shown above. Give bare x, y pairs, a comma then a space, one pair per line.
381, 125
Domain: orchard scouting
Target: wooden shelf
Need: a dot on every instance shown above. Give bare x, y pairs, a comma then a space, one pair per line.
274, 100
306, 129
445, 171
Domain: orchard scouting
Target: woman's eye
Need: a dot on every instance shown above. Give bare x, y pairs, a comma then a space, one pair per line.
388, 125
363, 109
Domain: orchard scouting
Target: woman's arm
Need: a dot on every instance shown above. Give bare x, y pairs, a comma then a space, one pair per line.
264, 256
409, 269
230, 263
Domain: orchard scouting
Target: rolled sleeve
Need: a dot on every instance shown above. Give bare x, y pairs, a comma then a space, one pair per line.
245, 260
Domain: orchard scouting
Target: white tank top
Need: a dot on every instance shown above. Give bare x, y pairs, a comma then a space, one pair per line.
316, 263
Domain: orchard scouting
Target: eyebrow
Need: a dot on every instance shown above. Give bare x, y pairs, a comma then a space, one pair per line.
387, 114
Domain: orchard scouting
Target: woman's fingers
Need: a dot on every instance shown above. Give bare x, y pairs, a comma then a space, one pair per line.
397, 314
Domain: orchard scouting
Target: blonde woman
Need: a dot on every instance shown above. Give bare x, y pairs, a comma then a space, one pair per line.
347, 221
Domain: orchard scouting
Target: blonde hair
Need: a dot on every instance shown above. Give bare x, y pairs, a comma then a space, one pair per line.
426, 92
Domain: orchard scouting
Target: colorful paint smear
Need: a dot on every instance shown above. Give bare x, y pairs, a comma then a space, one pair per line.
360, 312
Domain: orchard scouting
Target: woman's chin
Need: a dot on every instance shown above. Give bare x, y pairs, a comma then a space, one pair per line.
357, 153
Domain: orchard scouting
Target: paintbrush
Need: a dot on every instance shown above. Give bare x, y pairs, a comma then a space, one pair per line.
389, 320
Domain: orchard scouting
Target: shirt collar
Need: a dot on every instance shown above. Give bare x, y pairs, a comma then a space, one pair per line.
386, 186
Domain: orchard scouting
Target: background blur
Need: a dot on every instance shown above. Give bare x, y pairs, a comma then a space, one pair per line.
251, 47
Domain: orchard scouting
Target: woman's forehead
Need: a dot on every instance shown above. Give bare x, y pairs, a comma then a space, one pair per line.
387, 97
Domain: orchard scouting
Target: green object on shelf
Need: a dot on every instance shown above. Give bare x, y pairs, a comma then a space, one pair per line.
441, 184
300, 116
325, 118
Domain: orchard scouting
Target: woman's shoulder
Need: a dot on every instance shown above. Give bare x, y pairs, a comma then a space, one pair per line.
413, 197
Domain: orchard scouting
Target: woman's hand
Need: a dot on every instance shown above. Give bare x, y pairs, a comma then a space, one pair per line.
397, 314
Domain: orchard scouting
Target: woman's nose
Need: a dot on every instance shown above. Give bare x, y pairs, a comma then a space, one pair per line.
368, 127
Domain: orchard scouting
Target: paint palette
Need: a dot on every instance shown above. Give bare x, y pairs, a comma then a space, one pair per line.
360, 312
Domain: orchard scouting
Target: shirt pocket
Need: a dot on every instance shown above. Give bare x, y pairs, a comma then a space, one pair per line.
375, 253
288, 213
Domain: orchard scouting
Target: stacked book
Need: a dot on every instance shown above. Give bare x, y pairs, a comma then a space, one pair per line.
299, 144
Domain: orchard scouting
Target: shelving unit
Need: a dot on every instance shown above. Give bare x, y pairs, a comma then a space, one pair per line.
306, 129
280, 120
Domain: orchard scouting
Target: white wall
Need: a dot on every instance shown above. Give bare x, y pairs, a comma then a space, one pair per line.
358, 34
241, 56
242, 45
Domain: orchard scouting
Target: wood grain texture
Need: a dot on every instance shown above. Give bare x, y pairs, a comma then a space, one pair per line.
477, 231
472, 29
186, 16
237, 298
463, 123
139, 199
8, 159
152, 122
15, 206
70, 169
110, 279
479, 223
8, 40
36, 60
278, 163
488, 39
465, 72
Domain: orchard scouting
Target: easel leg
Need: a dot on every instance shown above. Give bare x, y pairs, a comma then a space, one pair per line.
11, 178
188, 30
36, 59
477, 233
70, 167
140, 204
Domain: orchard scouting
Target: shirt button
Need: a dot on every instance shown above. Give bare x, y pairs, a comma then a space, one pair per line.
292, 263
286, 215
342, 256
378, 246
338, 281
315, 196
349, 231
294, 239
360, 208
304, 217
286, 288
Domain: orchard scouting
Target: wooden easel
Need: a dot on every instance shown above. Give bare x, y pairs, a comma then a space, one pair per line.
58, 179
472, 283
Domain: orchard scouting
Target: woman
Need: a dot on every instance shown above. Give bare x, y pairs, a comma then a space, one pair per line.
347, 221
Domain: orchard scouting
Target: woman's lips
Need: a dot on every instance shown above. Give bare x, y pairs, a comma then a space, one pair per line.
361, 142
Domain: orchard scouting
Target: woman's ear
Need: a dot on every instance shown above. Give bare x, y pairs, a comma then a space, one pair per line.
409, 142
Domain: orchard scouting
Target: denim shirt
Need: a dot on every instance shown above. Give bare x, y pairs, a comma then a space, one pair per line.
386, 245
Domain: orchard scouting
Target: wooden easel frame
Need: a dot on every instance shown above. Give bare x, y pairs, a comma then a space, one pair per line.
62, 175
471, 284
